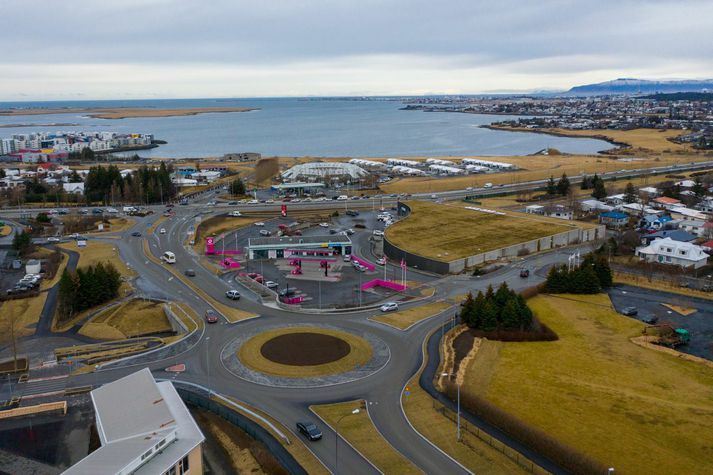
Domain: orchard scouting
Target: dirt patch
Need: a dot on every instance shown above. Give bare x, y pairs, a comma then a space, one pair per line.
462, 346
305, 349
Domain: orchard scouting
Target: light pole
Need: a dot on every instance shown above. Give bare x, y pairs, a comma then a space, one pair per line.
336, 441
448, 375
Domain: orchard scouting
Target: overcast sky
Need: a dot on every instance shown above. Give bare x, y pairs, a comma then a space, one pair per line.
94, 49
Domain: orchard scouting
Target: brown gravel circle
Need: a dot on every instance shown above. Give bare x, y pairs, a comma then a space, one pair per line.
305, 349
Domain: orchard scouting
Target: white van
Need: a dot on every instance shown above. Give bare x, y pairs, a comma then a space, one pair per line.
168, 257
488, 185
235, 214
342, 198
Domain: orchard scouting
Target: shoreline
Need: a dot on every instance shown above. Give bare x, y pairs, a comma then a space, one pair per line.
617, 145
125, 112
13, 126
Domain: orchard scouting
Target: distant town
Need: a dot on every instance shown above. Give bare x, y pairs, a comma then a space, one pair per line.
692, 112
53, 146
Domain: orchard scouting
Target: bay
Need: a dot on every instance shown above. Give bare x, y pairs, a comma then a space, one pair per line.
306, 127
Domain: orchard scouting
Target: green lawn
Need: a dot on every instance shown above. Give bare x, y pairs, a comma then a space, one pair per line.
450, 232
638, 410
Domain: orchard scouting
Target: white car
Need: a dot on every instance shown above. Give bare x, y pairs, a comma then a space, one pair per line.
377, 232
488, 185
235, 214
324, 225
381, 261
212, 203
233, 294
389, 307
271, 285
162, 231
253, 202
259, 223
53, 239
270, 201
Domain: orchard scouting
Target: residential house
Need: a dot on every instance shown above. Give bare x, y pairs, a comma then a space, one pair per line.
144, 428
615, 200
682, 212
675, 234
558, 211
706, 205
686, 183
670, 252
614, 219
653, 222
535, 209
693, 226
649, 191
664, 202
76, 188
589, 206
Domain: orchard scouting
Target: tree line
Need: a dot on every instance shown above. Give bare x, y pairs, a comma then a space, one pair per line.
146, 185
593, 275
87, 287
495, 310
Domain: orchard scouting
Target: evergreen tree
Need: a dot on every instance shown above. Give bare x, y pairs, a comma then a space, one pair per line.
502, 295
557, 280
599, 192
524, 313
467, 310
551, 186
563, 185
586, 183
630, 195
238, 187
698, 187
489, 293
510, 315
22, 242
585, 281
490, 316
477, 316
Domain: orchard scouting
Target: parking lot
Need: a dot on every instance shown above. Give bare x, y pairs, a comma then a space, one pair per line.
650, 303
341, 288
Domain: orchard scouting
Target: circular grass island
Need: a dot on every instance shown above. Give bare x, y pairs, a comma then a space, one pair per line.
304, 352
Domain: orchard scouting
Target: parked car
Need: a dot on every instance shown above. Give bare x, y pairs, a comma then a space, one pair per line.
232, 203
525, 273
136, 234
211, 203
389, 307
324, 225
162, 231
210, 316
650, 319
235, 214
53, 239
347, 257
629, 311
352, 212
233, 294
271, 284
190, 272
259, 223
349, 232
309, 430
381, 261
265, 232
287, 292
377, 232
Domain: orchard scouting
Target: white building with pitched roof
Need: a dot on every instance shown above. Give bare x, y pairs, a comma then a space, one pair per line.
677, 253
144, 428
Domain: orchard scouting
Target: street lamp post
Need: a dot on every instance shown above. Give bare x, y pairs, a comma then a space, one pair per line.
448, 375
336, 441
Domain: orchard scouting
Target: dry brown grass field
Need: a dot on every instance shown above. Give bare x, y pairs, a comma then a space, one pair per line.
124, 112
638, 410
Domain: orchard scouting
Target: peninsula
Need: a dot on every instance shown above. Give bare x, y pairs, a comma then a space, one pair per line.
122, 112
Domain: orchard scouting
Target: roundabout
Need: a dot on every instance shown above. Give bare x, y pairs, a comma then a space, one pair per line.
304, 356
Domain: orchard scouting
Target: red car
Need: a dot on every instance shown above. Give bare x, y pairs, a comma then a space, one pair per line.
210, 316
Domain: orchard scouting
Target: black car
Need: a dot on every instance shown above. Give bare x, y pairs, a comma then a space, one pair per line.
286, 292
352, 212
650, 319
136, 234
309, 430
525, 273
629, 311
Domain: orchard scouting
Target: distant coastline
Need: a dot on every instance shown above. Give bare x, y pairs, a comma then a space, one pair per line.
10, 126
123, 112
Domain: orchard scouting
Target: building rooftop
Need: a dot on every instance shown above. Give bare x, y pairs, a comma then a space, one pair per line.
296, 240
143, 426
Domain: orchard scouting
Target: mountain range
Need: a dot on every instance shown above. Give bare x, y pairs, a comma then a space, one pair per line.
642, 86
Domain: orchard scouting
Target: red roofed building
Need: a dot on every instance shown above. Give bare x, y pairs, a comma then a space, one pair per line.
666, 202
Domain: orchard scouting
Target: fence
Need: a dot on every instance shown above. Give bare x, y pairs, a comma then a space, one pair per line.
254, 430
673, 278
494, 443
